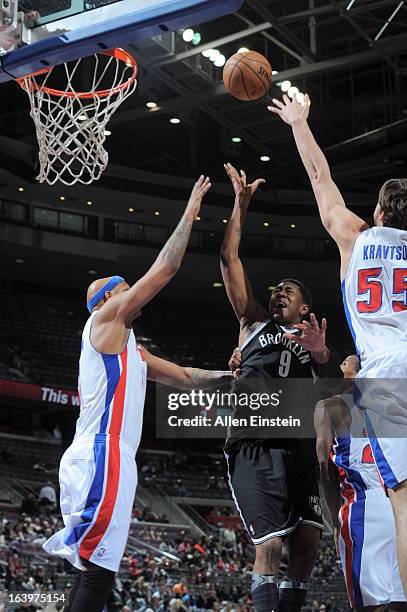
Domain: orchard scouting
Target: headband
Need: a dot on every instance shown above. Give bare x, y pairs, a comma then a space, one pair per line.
99, 295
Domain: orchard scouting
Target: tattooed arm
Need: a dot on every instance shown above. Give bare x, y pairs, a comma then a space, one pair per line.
127, 305
238, 288
168, 373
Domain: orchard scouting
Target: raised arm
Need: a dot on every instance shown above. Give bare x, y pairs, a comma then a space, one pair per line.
341, 223
126, 306
173, 375
237, 284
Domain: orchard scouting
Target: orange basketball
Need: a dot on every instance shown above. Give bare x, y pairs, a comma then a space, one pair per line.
247, 75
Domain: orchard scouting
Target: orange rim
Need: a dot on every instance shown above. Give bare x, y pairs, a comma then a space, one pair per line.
119, 54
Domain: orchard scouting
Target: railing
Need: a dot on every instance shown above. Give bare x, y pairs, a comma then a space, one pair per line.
199, 520
145, 234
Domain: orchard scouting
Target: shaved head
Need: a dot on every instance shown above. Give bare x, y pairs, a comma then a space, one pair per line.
350, 366
117, 285
95, 286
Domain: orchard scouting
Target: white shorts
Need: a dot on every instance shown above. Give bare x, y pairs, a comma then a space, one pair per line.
98, 479
381, 392
367, 547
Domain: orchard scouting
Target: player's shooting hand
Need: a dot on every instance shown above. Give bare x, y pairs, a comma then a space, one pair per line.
235, 362
243, 191
291, 111
199, 190
312, 335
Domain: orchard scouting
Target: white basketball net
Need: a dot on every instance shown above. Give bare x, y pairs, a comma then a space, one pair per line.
71, 125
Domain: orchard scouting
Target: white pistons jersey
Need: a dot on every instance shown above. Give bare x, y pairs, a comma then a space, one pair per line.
98, 472
367, 542
352, 455
112, 390
375, 293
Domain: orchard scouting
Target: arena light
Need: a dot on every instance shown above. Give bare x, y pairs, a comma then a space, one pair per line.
175, 120
214, 54
21, 189
207, 52
243, 50
196, 39
285, 85
157, 214
265, 158
292, 225
224, 220
62, 198
197, 218
108, 133
82, 117
131, 210
19, 260
271, 288
217, 285
220, 60
89, 203
390, 19
293, 91
274, 72
151, 104
300, 98
236, 139
188, 35
266, 224
93, 272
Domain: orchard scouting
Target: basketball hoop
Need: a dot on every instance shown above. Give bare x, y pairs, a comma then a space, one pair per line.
70, 123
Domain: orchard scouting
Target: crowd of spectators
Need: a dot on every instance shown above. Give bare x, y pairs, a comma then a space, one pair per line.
183, 572
207, 573
183, 474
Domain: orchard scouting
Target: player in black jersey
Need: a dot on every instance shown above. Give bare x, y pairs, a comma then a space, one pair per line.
273, 481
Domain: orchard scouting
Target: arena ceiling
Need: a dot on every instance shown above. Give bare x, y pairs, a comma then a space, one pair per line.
354, 71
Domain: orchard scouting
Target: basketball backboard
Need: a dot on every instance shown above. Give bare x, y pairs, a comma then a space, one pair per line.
69, 29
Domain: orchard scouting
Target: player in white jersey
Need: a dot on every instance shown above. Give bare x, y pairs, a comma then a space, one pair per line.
98, 474
374, 282
364, 528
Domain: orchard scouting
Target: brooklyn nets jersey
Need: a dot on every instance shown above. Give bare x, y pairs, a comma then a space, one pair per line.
267, 358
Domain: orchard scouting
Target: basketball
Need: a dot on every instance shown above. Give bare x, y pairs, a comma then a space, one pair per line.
247, 75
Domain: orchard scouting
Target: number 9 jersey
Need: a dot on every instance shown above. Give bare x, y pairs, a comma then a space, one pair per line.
375, 294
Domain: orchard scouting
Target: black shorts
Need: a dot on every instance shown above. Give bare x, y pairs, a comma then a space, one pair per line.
275, 489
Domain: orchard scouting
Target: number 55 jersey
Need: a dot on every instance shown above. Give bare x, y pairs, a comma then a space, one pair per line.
375, 299
375, 294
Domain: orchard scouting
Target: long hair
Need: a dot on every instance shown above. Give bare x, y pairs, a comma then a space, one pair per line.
393, 202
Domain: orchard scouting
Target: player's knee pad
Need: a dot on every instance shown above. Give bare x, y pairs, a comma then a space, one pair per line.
264, 592
292, 594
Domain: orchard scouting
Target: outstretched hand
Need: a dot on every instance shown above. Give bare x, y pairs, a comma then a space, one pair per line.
242, 189
291, 111
312, 335
199, 190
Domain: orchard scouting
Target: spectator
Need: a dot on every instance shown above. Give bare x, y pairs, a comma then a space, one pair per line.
228, 538
29, 505
48, 496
